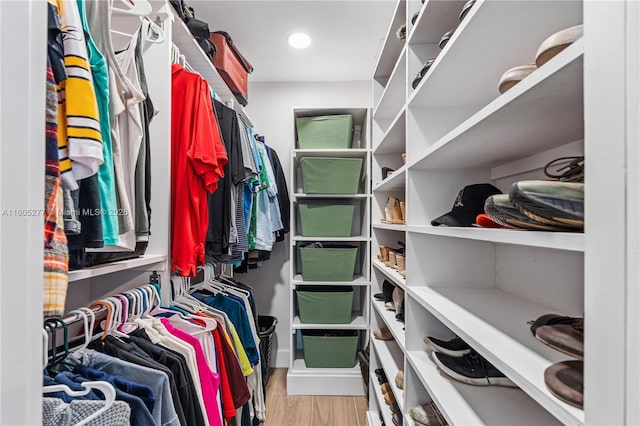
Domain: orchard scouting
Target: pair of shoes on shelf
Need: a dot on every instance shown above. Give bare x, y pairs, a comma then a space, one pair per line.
549, 48
387, 292
382, 333
389, 399
400, 379
459, 361
397, 304
382, 377
393, 211
427, 415
565, 380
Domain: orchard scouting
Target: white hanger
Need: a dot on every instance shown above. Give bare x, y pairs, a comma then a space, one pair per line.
45, 352
105, 387
134, 7
88, 329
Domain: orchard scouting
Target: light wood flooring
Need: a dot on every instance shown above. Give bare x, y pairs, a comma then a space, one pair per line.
283, 410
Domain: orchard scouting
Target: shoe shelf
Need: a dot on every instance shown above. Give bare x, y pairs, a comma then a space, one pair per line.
568, 241
392, 46
389, 226
384, 408
393, 96
343, 153
394, 182
392, 140
388, 354
373, 419
390, 273
389, 317
552, 95
494, 323
490, 26
463, 404
357, 323
436, 18
357, 280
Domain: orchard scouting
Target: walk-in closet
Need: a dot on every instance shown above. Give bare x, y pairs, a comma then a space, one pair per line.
319, 212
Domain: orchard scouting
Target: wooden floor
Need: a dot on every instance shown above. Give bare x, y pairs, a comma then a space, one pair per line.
283, 410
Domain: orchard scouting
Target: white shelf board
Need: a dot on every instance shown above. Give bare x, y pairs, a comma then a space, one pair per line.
386, 410
300, 368
358, 323
569, 241
348, 239
359, 280
493, 25
392, 183
393, 96
393, 324
392, 46
383, 349
436, 18
122, 265
393, 140
465, 404
342, 153
356, 196
373, 419
494, 323
543, 111
199, 61
389, 226
391, 273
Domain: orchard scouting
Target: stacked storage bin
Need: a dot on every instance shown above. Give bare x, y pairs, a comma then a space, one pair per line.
330, 241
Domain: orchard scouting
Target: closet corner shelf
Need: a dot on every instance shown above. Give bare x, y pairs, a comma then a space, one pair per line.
346, 196
373, 419
389, 226
393, 97
194, 55
358, 280
342, 153
434, 20
502, 336
391, 273
157, 261
357, 323
466, 404
385, 349
393, 140
553, 95
392, 183
391, 47
395, 326
569, 241
346, 239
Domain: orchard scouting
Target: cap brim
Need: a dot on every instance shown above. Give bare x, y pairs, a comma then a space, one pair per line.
455, 218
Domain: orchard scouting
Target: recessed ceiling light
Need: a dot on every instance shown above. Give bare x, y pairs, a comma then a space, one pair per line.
299, 40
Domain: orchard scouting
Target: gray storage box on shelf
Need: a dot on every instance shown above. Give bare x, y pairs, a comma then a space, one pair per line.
326, 220
325, 132
330, 348
328, 263
324, 175
325, 304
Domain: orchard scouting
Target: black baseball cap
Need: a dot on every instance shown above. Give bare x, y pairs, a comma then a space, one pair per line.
468, 205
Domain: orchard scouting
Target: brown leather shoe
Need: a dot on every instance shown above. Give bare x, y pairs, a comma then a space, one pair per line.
566, 338
565, 381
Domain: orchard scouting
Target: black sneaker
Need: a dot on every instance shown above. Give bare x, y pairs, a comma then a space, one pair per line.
471, 369
550, 202
453, 347
387, 292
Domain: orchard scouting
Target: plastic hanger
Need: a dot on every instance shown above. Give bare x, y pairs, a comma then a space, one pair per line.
45, 350
88, 328
133, 7
106, 388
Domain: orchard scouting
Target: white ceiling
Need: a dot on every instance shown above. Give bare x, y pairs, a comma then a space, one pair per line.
345, 35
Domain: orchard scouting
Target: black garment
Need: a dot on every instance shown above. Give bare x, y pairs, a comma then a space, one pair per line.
283, 193
133, 354
184, 383
89, 214
242, 286
55, 47
218, 234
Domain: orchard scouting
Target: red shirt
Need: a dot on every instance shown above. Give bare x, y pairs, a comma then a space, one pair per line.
197, 158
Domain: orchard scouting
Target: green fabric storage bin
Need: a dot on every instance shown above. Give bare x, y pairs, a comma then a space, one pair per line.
330, 348
325, 132
326, 220
322, 175
328, 263
325, 304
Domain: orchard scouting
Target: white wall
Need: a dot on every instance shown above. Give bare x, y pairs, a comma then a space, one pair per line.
270, 108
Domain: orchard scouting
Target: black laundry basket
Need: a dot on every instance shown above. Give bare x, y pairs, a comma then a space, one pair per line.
266, 329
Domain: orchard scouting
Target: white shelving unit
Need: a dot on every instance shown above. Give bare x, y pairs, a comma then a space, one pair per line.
485, 284
303, 380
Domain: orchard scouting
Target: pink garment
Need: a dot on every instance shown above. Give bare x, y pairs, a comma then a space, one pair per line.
209, 381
